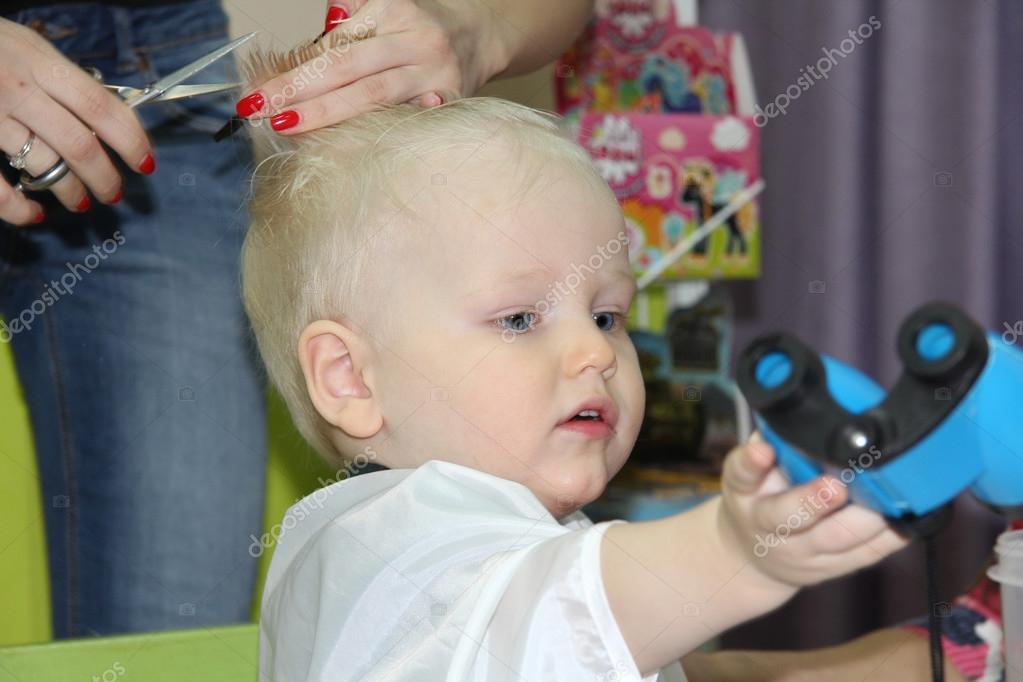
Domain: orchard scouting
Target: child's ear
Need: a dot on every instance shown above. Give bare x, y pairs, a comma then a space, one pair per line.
333, 361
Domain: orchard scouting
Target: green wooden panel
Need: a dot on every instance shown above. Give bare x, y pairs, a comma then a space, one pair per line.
227, 654
24, 590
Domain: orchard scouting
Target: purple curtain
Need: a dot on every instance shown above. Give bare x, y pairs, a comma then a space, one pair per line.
893, 181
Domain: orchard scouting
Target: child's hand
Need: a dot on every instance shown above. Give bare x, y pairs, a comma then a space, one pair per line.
800, 535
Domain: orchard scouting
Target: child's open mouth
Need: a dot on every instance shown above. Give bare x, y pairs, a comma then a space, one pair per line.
594, 419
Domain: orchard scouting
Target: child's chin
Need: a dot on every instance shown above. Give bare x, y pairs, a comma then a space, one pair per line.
579, 496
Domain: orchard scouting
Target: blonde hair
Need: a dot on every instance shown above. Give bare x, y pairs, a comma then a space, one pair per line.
314, 202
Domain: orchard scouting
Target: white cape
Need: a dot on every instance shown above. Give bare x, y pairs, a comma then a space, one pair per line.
439, 573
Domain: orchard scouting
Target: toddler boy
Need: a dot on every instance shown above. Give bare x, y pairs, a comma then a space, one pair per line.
443, 292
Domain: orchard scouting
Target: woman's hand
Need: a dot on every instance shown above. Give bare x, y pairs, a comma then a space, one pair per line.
41, 91
422, 51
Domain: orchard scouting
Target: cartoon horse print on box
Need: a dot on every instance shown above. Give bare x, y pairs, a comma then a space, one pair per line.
668, 82
706, 191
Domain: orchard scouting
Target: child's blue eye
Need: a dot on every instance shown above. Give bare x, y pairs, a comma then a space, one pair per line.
518, 322
612, 320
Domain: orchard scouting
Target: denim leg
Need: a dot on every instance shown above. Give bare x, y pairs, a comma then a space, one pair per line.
141, 378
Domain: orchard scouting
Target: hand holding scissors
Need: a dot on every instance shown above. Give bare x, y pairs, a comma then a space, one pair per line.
54, 114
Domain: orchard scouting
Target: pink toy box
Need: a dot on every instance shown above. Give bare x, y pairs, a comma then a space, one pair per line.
671, 174
636, 56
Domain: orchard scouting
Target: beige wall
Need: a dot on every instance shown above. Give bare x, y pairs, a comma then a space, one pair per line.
285, 24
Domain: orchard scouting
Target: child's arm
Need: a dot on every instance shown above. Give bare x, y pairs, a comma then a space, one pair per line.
676, 582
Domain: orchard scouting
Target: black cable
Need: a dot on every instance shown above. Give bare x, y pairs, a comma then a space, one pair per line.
933, 617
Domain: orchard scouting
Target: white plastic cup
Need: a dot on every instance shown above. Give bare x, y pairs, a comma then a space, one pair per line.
1009, 574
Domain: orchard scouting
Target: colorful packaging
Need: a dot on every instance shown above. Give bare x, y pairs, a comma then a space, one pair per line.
635, 56
671, 174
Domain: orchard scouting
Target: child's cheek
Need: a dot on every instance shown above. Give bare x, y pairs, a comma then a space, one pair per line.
513, 398
632, 388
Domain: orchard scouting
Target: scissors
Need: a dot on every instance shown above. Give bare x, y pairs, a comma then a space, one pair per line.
164, 89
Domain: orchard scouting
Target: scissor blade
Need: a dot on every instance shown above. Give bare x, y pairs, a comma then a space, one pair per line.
122, 91
181, 91
185, 72
175, 92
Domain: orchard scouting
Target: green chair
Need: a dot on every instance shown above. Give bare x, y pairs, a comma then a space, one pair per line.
227, 654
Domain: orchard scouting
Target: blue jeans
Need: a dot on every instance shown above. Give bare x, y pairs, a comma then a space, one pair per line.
131, 343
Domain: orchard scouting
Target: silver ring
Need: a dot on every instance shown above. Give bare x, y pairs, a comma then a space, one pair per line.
47, 178
18, 160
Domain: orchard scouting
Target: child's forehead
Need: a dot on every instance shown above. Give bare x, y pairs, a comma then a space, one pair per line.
476, 240
503, 208
554, 212
491, 184
506, 162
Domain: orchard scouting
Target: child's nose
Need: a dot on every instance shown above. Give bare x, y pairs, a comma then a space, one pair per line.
589, 347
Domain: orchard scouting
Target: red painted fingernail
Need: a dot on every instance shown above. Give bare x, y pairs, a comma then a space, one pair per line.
284, 120
250, 104
148, 165
40, 217
84, 204
117, 197
335, 15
